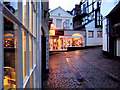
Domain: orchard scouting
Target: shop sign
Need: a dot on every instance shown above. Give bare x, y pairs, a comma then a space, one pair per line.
59, 32
52, 32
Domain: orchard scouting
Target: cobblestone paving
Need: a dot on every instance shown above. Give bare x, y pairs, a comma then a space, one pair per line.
95, 68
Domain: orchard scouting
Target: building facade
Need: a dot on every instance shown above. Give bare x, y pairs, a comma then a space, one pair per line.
20, 44
45, 38
62, 36
87, 17
111, 27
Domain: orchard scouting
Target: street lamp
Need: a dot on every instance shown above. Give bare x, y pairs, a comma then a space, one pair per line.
51, 25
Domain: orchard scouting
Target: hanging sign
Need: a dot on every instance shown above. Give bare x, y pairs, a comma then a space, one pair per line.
59, 33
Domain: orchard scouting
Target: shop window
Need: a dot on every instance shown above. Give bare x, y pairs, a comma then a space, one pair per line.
30, 17
30, 53
59, 23
24, 56
55, 43
9, 77
90, 34
8, 35
69, 41
64, 43
24, 18
9, 43
99, 34
77, 42
10, 46
61, 43
34, 23
34, 51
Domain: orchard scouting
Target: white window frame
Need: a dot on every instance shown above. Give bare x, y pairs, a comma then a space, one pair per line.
19, 67
58, 25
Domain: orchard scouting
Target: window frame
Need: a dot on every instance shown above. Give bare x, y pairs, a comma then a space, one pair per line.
58, 25
99, 36
92, 34
18, 20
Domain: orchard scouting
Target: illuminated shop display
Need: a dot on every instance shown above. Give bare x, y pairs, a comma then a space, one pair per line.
19, 44
9, 77
8, 43
63, 42
77, 42
69, 41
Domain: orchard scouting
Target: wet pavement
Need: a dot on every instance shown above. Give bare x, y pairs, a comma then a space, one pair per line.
87, 68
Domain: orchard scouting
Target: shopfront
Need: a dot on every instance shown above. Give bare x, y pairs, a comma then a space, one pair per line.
61, 41
20, 63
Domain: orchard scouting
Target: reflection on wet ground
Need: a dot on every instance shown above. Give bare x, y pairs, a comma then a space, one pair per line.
86, 68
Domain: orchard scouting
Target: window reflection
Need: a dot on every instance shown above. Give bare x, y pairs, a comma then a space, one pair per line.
24, 55
30, 52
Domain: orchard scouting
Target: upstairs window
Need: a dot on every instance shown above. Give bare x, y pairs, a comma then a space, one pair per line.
67, 23
59, 23
98, 18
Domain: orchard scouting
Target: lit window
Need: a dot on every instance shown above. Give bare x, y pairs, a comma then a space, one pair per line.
52, 32
99, 34
90, 34
77, 42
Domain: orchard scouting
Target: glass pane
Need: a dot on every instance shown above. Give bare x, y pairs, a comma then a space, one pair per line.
30, 17
69, 41
61, 43
24, 55
55, 43
34, 51
90, 34
59, 23
77, 42
34, 23
30, 53
24, 12
64, 43
90, 8
10, 47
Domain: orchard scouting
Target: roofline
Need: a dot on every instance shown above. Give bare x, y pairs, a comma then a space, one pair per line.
62, 9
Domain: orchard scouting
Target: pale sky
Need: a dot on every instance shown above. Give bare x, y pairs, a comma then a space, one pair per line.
65, 4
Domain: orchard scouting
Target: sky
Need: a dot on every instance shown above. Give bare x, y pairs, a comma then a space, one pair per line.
65, 4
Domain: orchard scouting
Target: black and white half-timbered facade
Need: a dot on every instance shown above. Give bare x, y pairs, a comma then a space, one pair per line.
87, 17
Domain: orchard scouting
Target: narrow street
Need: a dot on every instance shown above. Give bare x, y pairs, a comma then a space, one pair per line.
87, 68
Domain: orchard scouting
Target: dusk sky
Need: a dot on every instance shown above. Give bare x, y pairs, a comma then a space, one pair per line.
65, 4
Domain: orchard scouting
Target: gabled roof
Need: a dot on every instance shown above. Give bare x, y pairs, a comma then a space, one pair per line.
54, 10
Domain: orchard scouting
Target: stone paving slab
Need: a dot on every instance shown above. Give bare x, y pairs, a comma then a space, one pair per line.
89, 63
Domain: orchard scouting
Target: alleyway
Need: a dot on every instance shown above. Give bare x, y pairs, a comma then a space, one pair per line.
87, 68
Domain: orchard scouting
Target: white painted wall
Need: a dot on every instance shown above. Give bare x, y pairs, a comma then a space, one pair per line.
105, 36
106, 7
95, 40
70, 33
63, 20
118, 47
54, 14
